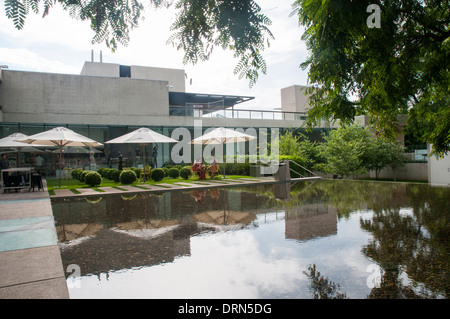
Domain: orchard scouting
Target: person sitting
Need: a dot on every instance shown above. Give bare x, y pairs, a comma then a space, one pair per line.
199, 168
213, 169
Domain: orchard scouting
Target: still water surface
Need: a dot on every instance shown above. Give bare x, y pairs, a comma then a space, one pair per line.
315, 239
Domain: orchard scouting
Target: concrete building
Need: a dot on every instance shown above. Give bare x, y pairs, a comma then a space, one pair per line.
107, 100
294, 99
438, 169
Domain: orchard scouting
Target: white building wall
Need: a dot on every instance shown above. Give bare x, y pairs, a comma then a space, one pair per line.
438, 169
294, 99
175, 77
62, 98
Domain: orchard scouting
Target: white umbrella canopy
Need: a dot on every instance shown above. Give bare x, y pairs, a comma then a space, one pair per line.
222, 136
60, 136
142, 136
10, 141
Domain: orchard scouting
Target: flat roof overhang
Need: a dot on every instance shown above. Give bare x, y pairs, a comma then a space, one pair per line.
183, 98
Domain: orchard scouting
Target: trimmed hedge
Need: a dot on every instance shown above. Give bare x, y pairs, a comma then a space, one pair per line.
114, 174
127, 177
157, 174
174, 172
92, 178
82, 175
185, 172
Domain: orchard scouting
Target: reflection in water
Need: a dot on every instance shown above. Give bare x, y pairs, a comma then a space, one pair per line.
260, 242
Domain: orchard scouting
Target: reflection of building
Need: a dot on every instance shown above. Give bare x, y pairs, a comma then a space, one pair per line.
113, 232
311, 220
110, 250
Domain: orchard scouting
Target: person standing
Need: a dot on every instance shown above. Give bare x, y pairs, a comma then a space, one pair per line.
155, 155
120, 161
4, 164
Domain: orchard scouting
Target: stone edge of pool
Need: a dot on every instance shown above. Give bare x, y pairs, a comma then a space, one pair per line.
162, 187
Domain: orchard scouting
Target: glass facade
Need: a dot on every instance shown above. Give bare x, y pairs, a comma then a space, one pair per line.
106, 156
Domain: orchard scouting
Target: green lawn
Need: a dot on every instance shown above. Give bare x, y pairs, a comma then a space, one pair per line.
73, 184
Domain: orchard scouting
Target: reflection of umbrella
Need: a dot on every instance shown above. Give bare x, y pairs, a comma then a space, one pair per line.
222, 136
224, 218
142, 136
147, 228
60, 136
76, 231
11, 141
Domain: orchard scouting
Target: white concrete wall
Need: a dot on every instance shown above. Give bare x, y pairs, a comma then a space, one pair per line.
74, 99
175, 77
438, 169
294, 99
410, 171
101, 69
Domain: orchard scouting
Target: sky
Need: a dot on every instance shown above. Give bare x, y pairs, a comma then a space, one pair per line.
60, 44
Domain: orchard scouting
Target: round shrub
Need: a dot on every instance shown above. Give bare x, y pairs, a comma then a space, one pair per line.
105, 173
185, 172
157, 174
93, 179
76, 173
82, 175
166, 171
137, 171
114, 174
127, 177
101, 171
173, 172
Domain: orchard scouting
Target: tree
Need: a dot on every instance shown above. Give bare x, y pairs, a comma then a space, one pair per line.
200, 25
380, 153
345, 150
402, 67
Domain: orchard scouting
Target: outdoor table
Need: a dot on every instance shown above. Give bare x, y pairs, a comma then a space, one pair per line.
22, 170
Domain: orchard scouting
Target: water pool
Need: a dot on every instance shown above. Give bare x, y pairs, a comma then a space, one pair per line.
312, 239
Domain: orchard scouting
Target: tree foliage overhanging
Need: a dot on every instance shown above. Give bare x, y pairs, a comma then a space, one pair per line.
400, 68
200, 25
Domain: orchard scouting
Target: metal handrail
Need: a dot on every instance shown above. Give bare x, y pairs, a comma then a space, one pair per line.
291, 161
188, 111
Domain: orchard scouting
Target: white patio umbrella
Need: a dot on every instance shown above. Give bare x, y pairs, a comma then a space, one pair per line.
142, 136
61, 137
10, 141
222, 136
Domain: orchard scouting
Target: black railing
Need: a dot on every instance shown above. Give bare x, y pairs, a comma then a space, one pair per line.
193, 111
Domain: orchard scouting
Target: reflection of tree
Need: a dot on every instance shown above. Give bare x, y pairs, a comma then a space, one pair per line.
321, 287
346, 196
415, 244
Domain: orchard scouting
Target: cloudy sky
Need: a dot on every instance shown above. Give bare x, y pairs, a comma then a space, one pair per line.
59, 44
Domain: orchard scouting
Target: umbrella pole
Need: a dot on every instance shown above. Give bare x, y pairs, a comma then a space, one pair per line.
224, 159
143, 159
60, 154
